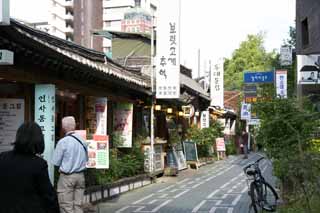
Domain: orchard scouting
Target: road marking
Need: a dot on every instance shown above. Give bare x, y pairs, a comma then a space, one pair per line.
195, 186
153, 201
162, 205
213, 193
181, 193
236, 200
213, 209
230, 210
139, 201
122, 209
198, 206
182, 181
163, 196
174, 190
168, 187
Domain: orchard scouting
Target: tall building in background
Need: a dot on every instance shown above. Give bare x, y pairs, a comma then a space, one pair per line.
74, 20
114, 14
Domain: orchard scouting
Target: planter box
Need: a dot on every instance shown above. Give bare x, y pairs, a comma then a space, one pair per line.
101, 193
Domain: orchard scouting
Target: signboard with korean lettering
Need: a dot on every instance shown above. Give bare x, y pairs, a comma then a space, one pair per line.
205, 119
101, 116
245, 111
122, 122
220, 145
308, 69
258, 77
98, 152
216, 85
168, 50
281, 80
285, 55
44, 115
4, 12
11, 117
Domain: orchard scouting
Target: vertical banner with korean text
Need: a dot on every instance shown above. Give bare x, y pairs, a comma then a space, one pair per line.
217, 90
44, 115
168, 50
101, 115
122, 122
281, 80
205, 119
11, 117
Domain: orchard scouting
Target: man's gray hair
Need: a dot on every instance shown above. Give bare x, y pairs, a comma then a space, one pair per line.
68, 123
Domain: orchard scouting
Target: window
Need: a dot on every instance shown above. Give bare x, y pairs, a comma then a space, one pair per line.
305, 32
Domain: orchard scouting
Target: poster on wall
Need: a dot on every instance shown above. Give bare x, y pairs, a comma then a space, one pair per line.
44, 115
101, 115
11, 117
98, 152
308, 69
122, 122
281, 80
168, 50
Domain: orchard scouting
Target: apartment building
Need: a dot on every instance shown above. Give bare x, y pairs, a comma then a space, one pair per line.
114, 12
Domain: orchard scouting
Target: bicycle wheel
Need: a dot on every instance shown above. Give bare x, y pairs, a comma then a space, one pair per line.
255, 194
270, 197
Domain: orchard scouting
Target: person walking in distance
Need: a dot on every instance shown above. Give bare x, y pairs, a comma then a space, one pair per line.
71, 157
245, 138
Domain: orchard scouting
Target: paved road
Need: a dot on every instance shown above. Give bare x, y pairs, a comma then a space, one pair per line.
217, 188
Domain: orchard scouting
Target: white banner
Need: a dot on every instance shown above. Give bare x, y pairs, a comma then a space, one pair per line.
44, 115
285, 55
205, 119
168, 50
101, 115
122, 122
11, 117
281, 80
217, 89
245, 111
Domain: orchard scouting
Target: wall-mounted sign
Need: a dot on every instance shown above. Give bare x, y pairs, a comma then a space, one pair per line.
188, 111
285, 55
122, 122
4, 12
258, 77
281, 80
205, 119
6, 57
44, 115
216, 88
11, 117
308, 69
168, 50
245, 111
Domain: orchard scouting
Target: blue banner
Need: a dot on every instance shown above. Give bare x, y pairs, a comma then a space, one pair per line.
258, 77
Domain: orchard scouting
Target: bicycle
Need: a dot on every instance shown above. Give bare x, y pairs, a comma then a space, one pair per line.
263, 195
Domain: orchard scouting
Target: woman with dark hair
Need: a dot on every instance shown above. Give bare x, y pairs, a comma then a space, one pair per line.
24, 182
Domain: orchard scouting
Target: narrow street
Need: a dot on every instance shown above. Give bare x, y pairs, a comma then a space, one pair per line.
219, 187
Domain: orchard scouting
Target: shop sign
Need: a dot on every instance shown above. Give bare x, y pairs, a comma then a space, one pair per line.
258, 77
168, 50
216, 87
101, 115
281, 80
98, 152
285, 55
4, 12
6, 57
220, 145
245, 111
122, 122
254, 122
188, 111
205, 119
11, 117
44, 115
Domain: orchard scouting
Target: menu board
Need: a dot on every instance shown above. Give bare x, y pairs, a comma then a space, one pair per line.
190, 150
98, 152
11, 117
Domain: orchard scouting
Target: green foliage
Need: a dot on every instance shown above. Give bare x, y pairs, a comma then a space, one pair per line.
286, 132
174, 137
250, 56
231, 148
205, 138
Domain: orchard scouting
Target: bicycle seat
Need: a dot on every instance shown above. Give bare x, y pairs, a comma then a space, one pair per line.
251, 172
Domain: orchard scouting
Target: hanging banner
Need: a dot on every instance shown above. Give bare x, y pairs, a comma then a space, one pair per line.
101, 115
217, 89
44, 115
281, 80
245, 111
205, 119
11, 117
122, 122
285, 55
98, 152
168, 50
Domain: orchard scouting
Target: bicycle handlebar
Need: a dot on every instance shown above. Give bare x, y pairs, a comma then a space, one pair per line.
250, 164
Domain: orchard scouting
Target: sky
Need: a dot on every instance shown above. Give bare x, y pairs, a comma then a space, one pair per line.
216, 27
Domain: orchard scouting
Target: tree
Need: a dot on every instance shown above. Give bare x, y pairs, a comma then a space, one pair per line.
251, 56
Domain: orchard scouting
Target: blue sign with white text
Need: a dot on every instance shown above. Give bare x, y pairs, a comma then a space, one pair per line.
258, 77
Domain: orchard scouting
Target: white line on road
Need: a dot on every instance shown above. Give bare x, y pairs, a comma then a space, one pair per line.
236, 200
163, 196
122, 209
213, 210
213, 193
181, 193
160, 206
198, 206
182, 181
153, 201
169, 187
230, 210
139, 201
